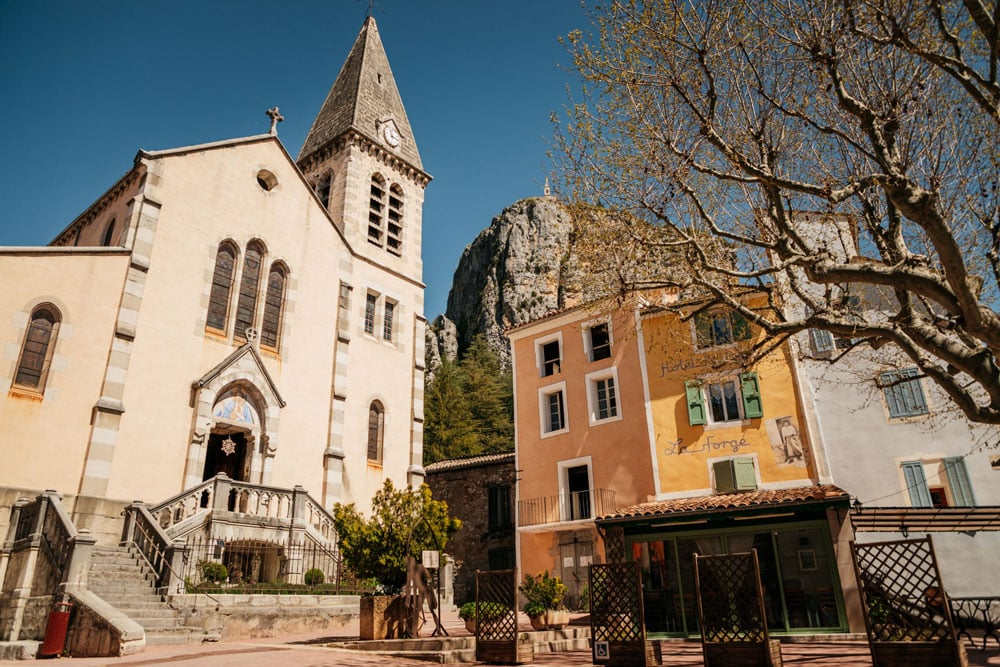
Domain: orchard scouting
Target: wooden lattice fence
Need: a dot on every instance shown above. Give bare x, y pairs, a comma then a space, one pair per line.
616, 616
731, 611
498, 640
907, 615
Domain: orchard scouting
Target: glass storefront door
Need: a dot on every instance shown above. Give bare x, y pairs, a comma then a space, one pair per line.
797, 572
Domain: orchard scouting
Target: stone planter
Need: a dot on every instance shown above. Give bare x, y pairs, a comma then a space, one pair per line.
382, 617
556, 619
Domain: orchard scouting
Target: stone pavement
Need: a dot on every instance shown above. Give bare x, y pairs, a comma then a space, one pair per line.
302, 651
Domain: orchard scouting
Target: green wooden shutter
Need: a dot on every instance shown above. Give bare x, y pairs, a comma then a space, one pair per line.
725, 476
916, 483
695, 403
750, 387
746, 479
958, 481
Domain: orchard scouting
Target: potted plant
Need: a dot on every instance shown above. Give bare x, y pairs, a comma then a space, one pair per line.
543, 596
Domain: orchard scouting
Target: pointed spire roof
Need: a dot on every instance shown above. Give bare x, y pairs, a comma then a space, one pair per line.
362, 98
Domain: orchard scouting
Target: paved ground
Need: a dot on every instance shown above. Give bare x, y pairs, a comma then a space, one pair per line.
297, 652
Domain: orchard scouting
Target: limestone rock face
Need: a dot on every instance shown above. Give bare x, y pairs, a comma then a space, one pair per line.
518, 269
441, 342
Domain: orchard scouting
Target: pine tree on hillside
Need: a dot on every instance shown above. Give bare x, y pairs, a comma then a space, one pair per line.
490, 393
449, 426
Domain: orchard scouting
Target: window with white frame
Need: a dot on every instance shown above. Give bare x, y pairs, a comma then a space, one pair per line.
598, 341
552, 409
602, 395
942, 482
576, 489
903, 393
715, 327
548, 353
721, 400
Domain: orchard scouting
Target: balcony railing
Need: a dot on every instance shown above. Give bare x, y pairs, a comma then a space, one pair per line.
575, 506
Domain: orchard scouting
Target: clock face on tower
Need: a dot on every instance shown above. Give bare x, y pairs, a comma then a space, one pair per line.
391, 135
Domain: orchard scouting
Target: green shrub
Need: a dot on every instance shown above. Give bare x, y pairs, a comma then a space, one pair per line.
313, 577
214, 572
488, 611
542, 592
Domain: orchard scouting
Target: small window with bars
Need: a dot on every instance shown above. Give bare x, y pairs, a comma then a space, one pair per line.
371, 306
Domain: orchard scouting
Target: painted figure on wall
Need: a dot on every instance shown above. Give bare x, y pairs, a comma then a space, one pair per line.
786, 442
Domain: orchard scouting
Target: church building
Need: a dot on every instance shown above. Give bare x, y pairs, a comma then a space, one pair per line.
227, 308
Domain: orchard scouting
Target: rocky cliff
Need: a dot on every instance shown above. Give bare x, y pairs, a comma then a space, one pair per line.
519, 268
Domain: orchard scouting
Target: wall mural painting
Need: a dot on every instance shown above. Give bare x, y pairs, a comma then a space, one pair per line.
786, 442
236, 408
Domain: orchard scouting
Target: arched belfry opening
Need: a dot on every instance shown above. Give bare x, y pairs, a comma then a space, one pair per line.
236, 429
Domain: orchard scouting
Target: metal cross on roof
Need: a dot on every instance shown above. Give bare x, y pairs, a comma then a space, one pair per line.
276, 118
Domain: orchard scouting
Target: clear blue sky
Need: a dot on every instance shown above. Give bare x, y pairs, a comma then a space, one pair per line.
84, 84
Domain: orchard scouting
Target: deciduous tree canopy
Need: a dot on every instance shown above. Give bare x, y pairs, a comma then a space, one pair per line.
844, 151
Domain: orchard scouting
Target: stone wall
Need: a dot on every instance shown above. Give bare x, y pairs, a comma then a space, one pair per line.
257, 616
101, 516
464, 484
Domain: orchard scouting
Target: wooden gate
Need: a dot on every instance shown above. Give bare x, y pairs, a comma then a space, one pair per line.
906, 609
731, 611
616, 617
497, 636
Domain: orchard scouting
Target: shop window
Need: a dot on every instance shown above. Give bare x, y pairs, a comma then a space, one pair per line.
726, 400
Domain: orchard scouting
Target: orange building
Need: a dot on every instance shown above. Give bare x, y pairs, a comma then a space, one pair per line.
583, 445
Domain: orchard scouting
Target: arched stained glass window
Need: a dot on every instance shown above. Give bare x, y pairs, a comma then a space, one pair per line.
36, 352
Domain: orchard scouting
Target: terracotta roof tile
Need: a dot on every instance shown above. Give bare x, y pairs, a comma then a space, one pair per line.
471, 462
731, 501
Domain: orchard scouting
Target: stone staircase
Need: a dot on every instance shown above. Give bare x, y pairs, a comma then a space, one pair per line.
120, 577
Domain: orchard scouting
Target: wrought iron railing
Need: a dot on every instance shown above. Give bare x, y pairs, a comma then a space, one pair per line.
246, 566
575, 506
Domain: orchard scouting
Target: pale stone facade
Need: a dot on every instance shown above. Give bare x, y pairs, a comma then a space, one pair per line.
150, 384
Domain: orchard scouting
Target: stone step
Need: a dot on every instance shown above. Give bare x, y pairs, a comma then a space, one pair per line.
149, 613
131, 601
156, 624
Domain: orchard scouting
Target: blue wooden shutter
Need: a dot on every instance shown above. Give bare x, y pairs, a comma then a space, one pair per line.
958, 481
750, 388
916, 483
695, 403
822, 340
891, 396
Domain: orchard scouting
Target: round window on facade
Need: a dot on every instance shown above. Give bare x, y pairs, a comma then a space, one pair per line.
267, 180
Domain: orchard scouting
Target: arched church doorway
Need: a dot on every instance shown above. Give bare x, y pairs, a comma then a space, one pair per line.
228, 453
235, 429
